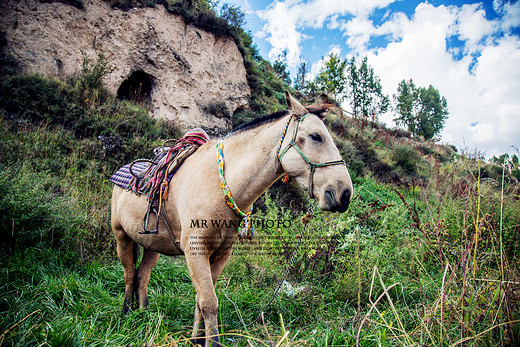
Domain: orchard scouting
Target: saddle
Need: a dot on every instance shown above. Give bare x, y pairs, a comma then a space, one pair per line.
151, 177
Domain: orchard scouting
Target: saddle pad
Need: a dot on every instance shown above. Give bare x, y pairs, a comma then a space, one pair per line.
150, 173
123, 177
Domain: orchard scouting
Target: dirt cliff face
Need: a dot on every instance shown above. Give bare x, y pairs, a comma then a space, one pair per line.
181, 72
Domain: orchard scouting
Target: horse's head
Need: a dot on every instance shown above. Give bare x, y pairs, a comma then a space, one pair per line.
308, 153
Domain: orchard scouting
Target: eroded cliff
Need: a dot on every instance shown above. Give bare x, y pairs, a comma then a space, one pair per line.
181, 72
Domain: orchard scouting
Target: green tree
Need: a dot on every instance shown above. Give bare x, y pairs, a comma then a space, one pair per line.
406, 104
280, 68
233, 15
423, 110
300, 82
366, 95
331, 79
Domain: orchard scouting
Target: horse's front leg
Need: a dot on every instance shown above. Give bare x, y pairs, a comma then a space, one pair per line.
217, 264
198, 333
207, 303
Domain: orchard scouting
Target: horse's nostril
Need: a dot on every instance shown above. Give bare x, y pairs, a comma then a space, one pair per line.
345, 200
345, 197
335, 204
329, 195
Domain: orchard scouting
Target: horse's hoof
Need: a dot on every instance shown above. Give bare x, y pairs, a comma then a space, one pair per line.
198, 342
126, 309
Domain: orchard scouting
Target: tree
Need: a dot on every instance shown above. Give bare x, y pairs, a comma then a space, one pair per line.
406, 105
366, 92
423, 110
331, 79
299, 81
233, 15
280, 68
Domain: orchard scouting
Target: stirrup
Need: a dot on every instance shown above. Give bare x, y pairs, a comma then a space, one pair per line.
151, 209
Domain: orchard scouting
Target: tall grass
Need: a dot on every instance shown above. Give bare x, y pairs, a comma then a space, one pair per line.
433, 261
54, 165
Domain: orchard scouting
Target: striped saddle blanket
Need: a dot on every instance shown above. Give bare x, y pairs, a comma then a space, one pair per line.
146, 176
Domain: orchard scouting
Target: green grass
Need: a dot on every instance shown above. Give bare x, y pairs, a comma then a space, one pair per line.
432, 261
45, 301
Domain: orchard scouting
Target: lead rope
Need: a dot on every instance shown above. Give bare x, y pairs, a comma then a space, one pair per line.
304, 220
246, 228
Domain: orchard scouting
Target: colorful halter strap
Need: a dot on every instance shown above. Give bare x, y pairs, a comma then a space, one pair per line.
246, 228
293, 144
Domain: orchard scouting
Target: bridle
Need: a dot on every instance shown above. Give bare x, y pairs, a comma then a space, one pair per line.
293, 144
245, 228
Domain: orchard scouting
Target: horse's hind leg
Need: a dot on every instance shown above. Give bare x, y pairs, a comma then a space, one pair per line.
125, 253
148, 262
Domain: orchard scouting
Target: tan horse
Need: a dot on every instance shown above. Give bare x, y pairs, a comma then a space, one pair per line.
255, 155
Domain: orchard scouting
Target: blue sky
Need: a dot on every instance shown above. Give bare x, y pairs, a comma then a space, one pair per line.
468, 50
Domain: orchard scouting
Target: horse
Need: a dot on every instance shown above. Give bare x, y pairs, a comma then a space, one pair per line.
295, 142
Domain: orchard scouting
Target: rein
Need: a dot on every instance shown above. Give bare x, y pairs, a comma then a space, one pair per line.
293, 144
246, 219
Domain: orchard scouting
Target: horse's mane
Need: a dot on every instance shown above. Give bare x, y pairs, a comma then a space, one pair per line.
319, 110
255, 123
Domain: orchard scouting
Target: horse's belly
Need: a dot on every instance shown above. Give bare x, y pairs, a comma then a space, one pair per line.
161, 243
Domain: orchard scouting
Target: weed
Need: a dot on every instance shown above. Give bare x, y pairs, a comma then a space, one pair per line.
405, 159
434, 262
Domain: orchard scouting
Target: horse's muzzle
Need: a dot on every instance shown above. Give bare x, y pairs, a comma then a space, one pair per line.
338, 205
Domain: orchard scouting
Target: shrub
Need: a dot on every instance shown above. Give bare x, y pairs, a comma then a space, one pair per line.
350, 154
34, 210
88, 83
38, 99
405, 159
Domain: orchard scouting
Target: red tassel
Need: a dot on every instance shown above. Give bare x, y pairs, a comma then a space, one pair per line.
285, 177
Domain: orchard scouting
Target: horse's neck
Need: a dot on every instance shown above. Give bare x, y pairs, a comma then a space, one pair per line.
251, 163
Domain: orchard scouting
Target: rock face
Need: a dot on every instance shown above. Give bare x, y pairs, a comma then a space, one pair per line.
181, 72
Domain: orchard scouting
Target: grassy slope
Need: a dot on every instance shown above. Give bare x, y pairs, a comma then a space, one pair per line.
61, 283
421, 218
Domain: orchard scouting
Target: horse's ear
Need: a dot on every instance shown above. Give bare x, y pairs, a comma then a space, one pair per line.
293, 105
320, 110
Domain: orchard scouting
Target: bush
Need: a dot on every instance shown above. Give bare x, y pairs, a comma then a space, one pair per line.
38, 99
34, 210
88, 83
405, 159
350, 154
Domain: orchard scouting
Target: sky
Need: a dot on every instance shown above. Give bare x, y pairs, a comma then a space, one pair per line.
468, 50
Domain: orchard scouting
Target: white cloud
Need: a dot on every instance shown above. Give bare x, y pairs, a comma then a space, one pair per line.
510, 13
486, 95
359, 30
480, 78
284, 21
472, 23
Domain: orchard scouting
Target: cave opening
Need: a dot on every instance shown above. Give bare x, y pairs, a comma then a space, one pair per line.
137, 87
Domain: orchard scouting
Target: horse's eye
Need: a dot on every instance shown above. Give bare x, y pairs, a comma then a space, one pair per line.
315, 137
